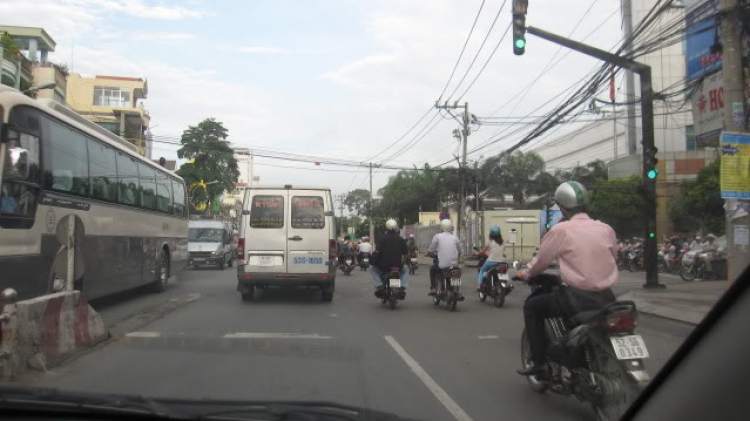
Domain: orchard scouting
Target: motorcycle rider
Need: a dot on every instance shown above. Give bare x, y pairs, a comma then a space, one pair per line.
364, 248
586, 250
696, 244
496, 253
447, 248
390, 252
345, 248
710, 252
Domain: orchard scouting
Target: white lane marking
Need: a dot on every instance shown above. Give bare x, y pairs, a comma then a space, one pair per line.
253, 335
441, 395
143, 335
488, 337
193, 297
334, 315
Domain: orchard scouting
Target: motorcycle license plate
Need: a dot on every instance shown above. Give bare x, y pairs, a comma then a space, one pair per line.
456, 282
366, 260
503, 277
629, 347
395, 283
414, 260
199, 259
348, 262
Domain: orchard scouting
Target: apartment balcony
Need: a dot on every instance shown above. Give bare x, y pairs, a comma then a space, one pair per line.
15, 70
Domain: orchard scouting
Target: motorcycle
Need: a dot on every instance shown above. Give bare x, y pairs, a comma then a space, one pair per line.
364, 261
496, 284
693, 266
448, 287
671, 261
392, 292
347, 265
636, 261
594, 355
413, 263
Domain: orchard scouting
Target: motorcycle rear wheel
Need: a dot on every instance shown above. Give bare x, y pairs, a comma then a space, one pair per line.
621, 390
392, 303
499, 299
452, 303
537, 385
632, 266
661, 266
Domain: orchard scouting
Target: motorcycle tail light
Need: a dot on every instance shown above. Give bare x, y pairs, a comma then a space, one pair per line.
456, 273
502, 268
625, 320
241, 249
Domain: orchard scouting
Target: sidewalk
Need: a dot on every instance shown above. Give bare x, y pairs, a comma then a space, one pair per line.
686, 302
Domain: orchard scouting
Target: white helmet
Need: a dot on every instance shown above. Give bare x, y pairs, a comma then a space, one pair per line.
571, 195
446, 225
391, 225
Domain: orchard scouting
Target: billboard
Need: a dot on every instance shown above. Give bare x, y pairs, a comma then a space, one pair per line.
701, 36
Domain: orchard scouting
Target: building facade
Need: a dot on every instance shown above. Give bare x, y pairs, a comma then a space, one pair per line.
115, 103
244, 157
30, 67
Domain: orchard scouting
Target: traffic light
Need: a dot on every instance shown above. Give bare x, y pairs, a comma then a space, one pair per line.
651, 235
519, 26
650, 161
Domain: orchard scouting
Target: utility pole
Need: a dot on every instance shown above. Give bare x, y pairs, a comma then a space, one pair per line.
466, 120
649, 150
627, 28
370, 213
734, 116
340, 199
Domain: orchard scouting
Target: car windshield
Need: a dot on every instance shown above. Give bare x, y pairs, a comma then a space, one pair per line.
438, 209
205, 235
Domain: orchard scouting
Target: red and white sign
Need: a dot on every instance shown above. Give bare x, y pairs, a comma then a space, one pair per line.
709, 107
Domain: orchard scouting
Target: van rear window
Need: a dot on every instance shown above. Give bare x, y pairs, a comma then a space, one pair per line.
267, 212
308, 212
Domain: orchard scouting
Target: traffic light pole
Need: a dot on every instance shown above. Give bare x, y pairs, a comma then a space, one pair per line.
647, 125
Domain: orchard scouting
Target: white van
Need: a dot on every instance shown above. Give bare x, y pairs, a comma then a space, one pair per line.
210, 243
287, 239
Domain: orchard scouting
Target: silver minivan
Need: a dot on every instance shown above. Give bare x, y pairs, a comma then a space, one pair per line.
210, 243
287, 239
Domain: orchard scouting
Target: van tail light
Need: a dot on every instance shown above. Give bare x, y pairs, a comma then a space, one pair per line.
622, 321
240, 249
332, 246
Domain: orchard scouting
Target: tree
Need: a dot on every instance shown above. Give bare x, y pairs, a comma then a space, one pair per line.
210, 160
618, 203
358, 201
586, 175
411, 191
519, 174
698, 204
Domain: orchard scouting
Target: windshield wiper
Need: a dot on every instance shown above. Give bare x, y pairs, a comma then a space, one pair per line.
53, 399
305, 411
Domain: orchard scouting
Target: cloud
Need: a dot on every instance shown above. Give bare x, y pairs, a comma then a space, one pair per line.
162, 36
139, 9
278, 50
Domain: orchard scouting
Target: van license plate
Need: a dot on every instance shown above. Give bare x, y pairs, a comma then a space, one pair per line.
395, 283
265, 261
629, 347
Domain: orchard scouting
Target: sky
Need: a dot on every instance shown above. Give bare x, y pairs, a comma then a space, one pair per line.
331, 78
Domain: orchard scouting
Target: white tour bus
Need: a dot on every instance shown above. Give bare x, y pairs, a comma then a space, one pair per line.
131, 216
287, 239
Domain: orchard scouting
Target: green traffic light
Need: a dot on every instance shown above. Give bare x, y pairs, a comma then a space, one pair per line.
652, 235
652, 174
520, 43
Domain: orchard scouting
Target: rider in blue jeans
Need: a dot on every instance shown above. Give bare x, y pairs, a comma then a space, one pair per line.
496, 252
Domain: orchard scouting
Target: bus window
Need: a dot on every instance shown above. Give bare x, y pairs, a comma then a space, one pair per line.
102, 167
65, 157
128, 184
147, 177
163, 192
179, 198
18, 197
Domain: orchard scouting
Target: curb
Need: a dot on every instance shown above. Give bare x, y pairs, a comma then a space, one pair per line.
658, 310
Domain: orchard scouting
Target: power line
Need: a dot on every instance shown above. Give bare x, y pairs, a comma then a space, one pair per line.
453, 72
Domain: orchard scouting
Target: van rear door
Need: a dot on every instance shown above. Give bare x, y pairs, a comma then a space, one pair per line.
308, 235
266, 222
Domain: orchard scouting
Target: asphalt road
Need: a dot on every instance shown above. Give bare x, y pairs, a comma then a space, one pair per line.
199, 340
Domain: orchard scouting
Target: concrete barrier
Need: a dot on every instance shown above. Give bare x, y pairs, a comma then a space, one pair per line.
41, 332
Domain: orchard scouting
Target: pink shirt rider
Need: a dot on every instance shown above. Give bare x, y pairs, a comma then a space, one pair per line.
586, 251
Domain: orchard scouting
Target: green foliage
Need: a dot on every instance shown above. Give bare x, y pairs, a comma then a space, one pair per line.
408, 192
210, 159
520, 175
618, 203
12, 50
698, 203
586, 175
358, 201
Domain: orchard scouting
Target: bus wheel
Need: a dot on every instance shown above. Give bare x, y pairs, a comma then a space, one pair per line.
162, 273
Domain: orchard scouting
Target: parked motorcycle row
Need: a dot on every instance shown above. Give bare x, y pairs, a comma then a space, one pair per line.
673, 257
